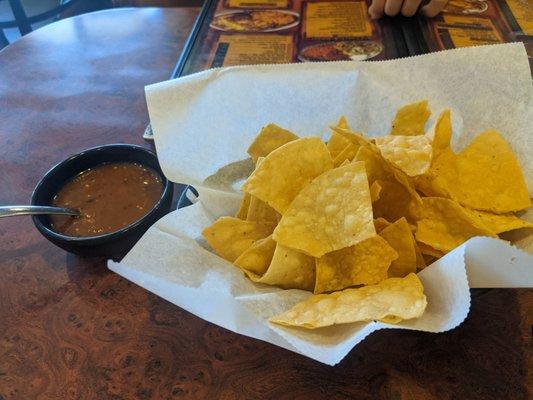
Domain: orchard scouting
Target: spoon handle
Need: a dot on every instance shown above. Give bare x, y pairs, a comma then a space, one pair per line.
10, 211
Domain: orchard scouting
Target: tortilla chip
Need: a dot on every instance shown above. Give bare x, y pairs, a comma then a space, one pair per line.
490, 177
420, 261
442, 134
230, 237
334, 211
257, 257
411, 154
355, 138
498, 223
289, 269
380, 224
243, 208
261, 212
431, 183
446, 225
366, 263
378, 168
392, 300
443, 158
336, 144
400, 238
394, 202
343, 123
284, 172
375, 191
411, 119
269, 139
427, 250
484, 176
398, 196
347, 154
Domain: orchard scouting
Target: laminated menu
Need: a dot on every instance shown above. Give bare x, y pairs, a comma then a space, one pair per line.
242, 32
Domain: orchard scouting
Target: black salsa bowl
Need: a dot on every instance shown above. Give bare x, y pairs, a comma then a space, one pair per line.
111, 245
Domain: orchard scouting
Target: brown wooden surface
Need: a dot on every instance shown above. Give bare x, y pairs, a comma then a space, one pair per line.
71, 329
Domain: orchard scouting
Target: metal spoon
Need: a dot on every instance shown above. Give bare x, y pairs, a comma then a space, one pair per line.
11, 211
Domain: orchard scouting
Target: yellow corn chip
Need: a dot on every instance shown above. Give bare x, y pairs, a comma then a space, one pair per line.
490, 177
258, 256
429, 259
427, 250
394, 202
431, 183
411, 119
343, 123
375, 191
398, 196
420, 261
334, 211
347, 154
498, 223
400, 238
243, 208
336, 144
366, 263
483, 176
443, 158
285, 171
289, 269
230, 237
411, 154
269, 138
446, 225
261, 212
392, 300
378, 168
355, 138
442, 134
380, 224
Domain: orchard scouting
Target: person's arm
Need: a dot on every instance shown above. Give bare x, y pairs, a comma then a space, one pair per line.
407, 8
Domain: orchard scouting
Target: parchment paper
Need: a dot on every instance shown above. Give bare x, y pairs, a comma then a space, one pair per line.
203, 124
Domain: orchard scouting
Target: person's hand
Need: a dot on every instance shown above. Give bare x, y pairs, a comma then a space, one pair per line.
407, 8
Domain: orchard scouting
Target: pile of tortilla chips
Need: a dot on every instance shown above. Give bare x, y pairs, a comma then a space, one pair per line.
354, 219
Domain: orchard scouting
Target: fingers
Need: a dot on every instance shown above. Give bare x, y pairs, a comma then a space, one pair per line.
433, 8
376, 9
392, 7
409, 7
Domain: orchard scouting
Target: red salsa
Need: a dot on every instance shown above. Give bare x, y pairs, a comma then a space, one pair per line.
109, 197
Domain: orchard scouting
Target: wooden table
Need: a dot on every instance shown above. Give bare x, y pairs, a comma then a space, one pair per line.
71, 329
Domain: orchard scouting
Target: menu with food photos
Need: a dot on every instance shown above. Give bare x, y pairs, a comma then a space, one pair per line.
244, 32
466, 23
240, 32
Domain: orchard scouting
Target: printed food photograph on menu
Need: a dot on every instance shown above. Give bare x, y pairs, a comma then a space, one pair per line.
466, 23
239, 32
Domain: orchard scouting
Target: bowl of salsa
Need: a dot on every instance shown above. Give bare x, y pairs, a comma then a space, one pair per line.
119, 190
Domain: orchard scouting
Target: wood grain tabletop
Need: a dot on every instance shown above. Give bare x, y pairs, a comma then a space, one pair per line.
71, 329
